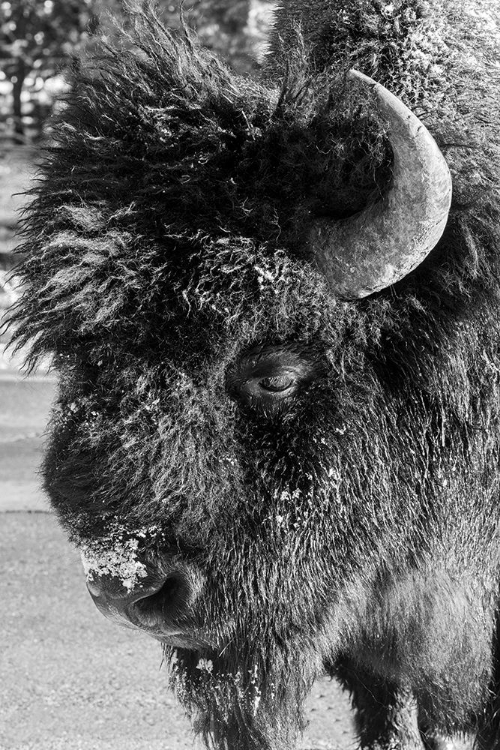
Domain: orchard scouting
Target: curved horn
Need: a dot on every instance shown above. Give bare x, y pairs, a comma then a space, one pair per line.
377, 247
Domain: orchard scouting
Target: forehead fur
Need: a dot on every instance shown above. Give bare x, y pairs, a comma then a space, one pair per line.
172, 179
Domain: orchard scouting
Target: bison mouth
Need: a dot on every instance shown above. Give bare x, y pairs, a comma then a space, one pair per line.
147, 615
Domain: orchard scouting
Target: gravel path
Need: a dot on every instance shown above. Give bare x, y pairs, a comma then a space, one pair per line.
24, 407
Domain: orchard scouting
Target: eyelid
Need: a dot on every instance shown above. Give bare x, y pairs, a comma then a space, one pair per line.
285, 376
272, 370
244, 378
279, 386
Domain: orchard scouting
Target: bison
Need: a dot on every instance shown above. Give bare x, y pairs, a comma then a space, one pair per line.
276, 437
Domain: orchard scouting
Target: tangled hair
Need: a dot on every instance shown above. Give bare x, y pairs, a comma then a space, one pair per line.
165, 237
169, 150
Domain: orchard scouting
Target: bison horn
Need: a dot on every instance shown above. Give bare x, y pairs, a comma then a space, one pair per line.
377, 247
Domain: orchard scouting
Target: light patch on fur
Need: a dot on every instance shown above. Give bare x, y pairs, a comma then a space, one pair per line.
205, 665
118, 560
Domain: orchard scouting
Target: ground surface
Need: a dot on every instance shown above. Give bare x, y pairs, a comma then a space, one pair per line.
24, 407
71, 680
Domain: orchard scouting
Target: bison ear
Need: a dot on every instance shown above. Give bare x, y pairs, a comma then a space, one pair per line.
375, 248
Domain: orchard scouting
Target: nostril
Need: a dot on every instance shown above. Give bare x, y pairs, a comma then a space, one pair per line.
167, 591
171, 600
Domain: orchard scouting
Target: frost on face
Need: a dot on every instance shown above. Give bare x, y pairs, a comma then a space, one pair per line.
205, 665
117, 559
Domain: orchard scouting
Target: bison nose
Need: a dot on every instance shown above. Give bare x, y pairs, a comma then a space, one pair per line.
158, 604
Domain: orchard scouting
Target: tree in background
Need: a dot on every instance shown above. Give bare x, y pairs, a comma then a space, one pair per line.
36, 36
221, 26
235, 29
39, 37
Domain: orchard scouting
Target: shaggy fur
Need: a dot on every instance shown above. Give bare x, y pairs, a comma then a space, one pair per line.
357, 528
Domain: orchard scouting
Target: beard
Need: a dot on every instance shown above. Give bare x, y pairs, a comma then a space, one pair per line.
250, 696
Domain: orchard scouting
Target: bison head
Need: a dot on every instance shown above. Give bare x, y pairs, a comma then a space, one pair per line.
229, 447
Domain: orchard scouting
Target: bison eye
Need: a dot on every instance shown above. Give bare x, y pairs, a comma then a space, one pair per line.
269, 384
270, 377
277, 383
